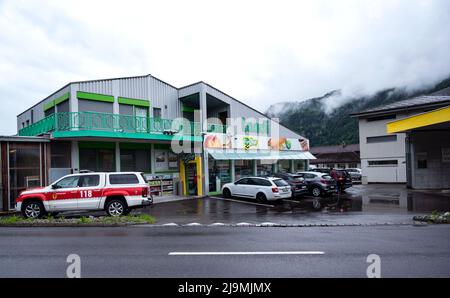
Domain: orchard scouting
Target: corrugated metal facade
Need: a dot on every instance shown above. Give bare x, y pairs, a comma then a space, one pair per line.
161, 95
38, 110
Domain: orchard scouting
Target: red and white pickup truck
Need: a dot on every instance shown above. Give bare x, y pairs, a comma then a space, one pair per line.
116, 193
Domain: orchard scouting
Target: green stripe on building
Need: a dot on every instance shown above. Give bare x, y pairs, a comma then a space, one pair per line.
134, 102
49, 105
56, 101
62, 98
95, 97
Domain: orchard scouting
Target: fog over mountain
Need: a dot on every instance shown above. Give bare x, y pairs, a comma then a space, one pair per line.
326, 120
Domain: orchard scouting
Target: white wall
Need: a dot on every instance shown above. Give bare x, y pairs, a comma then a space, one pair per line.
381, 151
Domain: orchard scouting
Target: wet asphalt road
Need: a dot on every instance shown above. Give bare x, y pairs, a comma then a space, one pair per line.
405, 251
368, 204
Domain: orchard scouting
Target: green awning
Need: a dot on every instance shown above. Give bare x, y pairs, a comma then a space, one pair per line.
231, 154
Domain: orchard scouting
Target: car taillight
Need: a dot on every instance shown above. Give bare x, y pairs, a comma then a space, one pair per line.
324, 181
274, 189
145, 192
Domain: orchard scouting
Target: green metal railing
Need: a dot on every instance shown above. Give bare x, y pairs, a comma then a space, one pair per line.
93, 121
45, 125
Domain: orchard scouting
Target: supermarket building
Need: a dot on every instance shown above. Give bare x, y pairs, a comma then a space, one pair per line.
133, 123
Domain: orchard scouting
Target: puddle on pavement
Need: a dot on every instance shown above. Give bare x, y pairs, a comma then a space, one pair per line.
371, 199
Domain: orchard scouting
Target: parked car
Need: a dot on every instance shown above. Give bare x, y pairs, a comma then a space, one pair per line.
319, 184
116, 193
259, 188
321, 170
297, 183
355, 173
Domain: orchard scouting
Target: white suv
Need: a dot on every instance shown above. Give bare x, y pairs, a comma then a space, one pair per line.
261, 189
116, 193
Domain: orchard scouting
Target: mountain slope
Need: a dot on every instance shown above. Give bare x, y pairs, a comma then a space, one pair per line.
323, 125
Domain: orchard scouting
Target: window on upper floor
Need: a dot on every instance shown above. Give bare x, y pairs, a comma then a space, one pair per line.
380, 163
49, 111
382, 139
157, 113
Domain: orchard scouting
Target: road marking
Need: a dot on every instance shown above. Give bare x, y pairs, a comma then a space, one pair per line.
244, 202
244, 253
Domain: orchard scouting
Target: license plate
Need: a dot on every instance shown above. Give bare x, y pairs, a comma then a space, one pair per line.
285, 190
303, 187
331, 187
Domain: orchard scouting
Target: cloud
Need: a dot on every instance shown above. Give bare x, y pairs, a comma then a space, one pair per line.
261, 52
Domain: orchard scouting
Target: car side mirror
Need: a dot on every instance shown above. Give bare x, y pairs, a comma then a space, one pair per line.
54, 186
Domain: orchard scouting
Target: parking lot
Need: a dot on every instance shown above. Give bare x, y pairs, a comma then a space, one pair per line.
361, 204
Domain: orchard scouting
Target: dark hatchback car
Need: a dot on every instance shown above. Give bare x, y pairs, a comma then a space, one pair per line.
298, 185
319, 184
344, 177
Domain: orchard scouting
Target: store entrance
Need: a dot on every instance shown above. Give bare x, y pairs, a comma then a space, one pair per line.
191, 179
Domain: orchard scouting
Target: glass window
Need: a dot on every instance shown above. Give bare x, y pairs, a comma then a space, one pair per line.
280, 182
374, 163
97, 160
135, 160
49, 112
264, 168
283, 166
24, 168
156, 113
60, 154
219, 172
89, 180
262, 182
68, 182
382, 139
123, 179
243, 168
242, 181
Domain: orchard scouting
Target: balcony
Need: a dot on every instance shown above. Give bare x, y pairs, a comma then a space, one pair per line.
93, 124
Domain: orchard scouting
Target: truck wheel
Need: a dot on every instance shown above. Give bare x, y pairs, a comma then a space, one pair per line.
33, 209
115, 208
316, 192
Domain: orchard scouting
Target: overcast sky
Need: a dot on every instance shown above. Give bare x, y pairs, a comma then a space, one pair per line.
259, 52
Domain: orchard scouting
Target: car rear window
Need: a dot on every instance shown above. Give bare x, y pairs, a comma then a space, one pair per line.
262, 182
123, 179
280, 182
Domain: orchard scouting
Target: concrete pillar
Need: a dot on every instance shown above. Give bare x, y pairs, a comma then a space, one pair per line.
232, 171
204, 125
275, 167
75, 157
73, 103
152, 158
291, 166
115, 93
254, 168
117, 153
